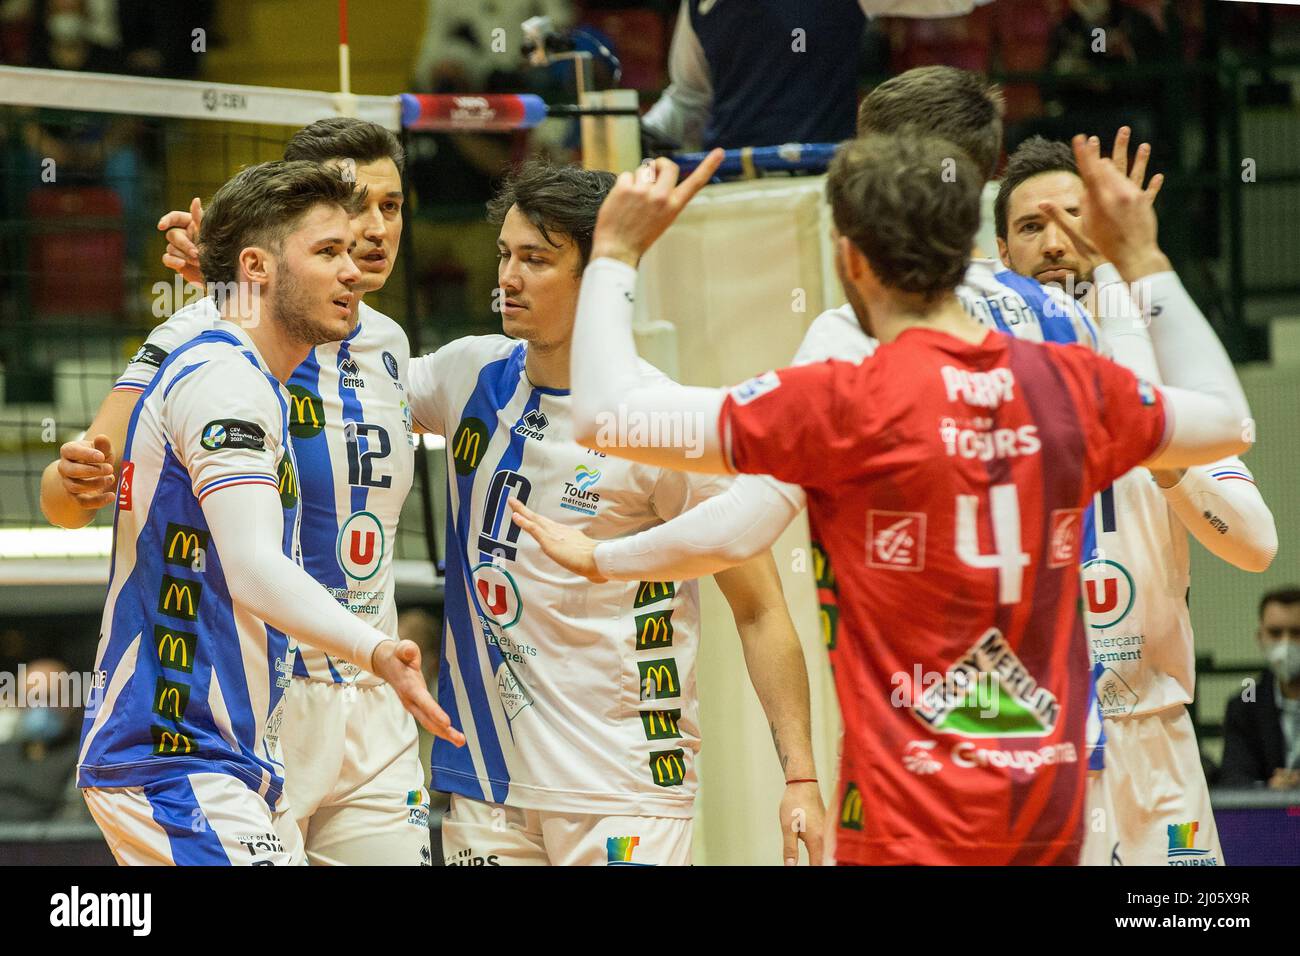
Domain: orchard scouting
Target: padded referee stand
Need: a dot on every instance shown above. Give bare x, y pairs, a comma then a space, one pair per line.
727, 293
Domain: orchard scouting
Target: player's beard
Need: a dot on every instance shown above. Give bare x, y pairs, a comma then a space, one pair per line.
294, 309
858, 303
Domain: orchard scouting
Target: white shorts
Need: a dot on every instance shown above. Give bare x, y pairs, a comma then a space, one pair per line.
1151, 805
200, 819
352, 775
490, 834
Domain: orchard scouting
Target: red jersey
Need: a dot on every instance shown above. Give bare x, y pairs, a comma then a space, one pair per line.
946, 485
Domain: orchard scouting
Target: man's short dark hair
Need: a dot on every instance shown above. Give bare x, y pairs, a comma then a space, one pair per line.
345, 137
1033, 157
260, 206
1288, 595
961, 106
561, 200
911, 204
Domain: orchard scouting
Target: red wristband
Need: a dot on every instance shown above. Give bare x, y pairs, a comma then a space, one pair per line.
801, 780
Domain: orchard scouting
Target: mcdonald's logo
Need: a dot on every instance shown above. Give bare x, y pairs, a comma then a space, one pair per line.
288, 479
179, 597
654, 630
828, 616
668, 767
166, 741
822, 567
648, 592
181, 543
851, 808
306, 413
468, 445
175, 648
170, 699
658, 679
660, 724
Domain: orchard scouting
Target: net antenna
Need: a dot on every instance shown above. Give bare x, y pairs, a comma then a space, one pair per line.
346, 100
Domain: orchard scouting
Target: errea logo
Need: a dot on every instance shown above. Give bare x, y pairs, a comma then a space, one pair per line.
532, 424
76, 909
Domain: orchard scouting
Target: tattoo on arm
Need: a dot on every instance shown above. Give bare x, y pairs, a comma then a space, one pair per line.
780, 752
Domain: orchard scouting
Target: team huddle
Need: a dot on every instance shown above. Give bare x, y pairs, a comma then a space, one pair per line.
976, 450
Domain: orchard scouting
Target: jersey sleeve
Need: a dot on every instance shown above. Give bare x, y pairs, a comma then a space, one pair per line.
1123, 416
182, 326
812, 425
223, 422
433, 376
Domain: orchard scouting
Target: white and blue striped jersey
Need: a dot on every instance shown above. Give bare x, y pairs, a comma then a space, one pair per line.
574, 697
351, 430
187, 681
1136, 576
1015, 305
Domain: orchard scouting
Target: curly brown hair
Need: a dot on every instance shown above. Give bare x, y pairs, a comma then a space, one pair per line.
556, 199
961, 106
911, 204
260, 205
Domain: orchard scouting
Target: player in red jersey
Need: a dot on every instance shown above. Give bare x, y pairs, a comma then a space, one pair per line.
945, 478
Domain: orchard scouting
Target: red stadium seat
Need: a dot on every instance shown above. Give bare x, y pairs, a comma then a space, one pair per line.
641, 43
77, 252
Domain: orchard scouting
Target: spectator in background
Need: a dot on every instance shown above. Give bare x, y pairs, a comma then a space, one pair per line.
452, 175
1098, 35
88, 149
1261, 735
158, 38
38, 763
767, 72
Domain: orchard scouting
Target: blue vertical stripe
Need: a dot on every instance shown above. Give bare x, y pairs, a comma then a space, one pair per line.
1057, 326
497, 383
176, 809
352, 412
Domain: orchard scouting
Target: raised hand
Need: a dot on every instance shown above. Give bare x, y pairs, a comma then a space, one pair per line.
643, 204
86, 471
1138, 171
182, 232
567, 547
1115, 218
398, 663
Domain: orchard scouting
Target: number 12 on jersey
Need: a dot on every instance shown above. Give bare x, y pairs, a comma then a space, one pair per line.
1007, 558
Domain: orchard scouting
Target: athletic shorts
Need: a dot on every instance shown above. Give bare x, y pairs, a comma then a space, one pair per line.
491, 834
1151, 805
199, 819
352, 775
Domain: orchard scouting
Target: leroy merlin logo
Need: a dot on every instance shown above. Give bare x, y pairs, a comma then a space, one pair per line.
1009, 701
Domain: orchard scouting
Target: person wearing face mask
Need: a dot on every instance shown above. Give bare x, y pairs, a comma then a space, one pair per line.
1261, 729
37, 763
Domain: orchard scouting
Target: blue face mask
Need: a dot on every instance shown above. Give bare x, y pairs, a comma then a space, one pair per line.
42, 725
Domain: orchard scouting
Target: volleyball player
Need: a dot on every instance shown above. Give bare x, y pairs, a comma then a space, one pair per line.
354, 781
977, 583
179, 758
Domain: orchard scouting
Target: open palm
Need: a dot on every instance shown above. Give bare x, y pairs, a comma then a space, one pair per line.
566, 546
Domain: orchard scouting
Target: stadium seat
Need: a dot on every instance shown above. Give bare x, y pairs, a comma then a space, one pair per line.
81, 277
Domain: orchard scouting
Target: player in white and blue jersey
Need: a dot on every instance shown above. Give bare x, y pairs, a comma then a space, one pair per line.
353, 775
1148, 800
180, 751
578, 700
